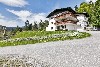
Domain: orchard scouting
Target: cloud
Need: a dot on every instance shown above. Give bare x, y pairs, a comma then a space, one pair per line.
8, 23
37, 17
1, 16
90, 0
14, 3
24, 15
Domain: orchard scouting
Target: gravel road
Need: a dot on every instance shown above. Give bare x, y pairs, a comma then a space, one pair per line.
69, 53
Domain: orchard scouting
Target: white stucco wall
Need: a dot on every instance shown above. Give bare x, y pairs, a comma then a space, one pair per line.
51, 24
71, 26
82, 20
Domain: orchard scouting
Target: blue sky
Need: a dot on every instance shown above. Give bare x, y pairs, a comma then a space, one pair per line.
16, 12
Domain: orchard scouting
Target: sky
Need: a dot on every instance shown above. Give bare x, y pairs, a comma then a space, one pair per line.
16, 12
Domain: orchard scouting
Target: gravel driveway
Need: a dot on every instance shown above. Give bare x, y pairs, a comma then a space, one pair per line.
69, 53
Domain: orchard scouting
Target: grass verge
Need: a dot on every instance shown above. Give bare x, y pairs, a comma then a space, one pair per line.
60, 37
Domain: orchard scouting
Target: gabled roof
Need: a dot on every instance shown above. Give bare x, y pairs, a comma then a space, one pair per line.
84, 13
56, 11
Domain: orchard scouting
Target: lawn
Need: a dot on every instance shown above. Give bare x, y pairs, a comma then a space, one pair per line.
25, 34
32, 37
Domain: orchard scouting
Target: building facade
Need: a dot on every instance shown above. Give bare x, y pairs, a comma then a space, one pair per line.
83, 21
63, 19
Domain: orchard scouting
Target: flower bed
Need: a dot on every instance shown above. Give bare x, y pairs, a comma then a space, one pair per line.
47, 38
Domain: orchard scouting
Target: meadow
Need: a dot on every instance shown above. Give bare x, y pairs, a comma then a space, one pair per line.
32, 37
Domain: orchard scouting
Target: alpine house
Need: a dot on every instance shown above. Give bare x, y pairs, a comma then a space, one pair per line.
66, 19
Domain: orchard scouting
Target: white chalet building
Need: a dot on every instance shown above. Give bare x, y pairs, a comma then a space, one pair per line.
67, 19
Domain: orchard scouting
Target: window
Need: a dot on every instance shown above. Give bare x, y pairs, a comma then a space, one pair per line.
65, 26
51, 17
58, 27
51, 27
51, 22
62, 26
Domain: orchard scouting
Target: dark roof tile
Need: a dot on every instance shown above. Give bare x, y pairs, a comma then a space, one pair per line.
56, 11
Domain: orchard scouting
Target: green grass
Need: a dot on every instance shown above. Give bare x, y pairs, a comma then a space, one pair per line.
41, 33
25, 34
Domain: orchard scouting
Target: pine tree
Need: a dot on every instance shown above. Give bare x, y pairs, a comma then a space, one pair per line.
41, 26
76, 8
35, 26
30, 27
